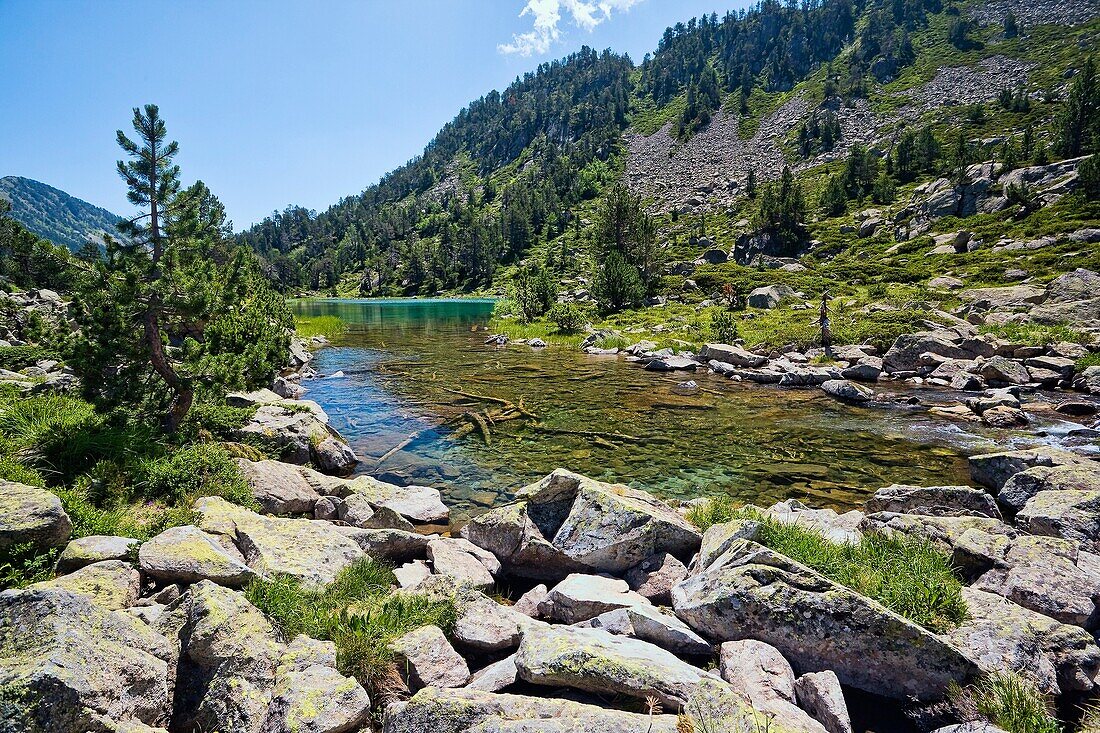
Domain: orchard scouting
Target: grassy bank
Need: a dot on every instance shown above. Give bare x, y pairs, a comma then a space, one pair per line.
328, 326
910, 577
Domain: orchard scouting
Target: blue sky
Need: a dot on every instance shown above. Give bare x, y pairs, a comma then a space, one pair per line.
277, 102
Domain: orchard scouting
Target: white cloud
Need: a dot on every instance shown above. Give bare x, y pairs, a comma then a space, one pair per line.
547, 14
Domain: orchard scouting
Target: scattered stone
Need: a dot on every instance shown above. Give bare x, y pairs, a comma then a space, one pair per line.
734, 355
110, 584
595, 661
29, 515
280, 488
95, 548
1076, 408
937, 501
650, 624
187, 555
430, 660
992, 470
846, 391
487, 626
769, 296
654, 577
820, 695
411, 574
463, 561
581, 597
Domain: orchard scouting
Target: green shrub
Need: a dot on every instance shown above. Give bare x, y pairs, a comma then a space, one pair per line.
1036, 334
13, 470
328, 326
617, 284
908, 576
567, 317
357, 612
1009, 701
534, 292
15, 358
723, 327
26, 564
217, 418
193, 472
1089, 360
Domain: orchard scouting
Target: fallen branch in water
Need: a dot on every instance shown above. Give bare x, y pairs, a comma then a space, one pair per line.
593, 434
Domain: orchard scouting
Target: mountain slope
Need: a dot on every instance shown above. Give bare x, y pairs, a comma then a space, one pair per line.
55, 215
829, 89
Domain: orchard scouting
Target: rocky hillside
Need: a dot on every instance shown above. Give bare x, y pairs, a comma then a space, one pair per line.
55, 215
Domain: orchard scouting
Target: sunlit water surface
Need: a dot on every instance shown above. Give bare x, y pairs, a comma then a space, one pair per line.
756, 443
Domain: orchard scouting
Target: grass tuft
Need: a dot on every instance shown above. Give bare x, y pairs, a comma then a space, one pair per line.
357, 612
328, 326
908, 576
1010, 701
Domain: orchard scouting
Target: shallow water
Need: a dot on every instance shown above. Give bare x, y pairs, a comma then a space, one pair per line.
755, 443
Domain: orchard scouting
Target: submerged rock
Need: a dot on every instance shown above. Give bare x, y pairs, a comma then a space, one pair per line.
753, 592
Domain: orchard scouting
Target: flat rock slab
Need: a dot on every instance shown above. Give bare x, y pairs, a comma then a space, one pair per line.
935, 501
581, 597
430, 660
753, 592
465, 710
653, 625
595, 661
187, 555
110, 584
94, 548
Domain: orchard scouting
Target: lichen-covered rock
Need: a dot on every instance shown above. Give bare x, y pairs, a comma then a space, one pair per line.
992, 470
942, 531
937, 501
312, 551
1000, 371
654, 577
846, 391
906, 352
388, 544
417, 503
653, 625
429, 660
30, 515
753, 592
820, 695
734, 355
466, 710
1021, 487
833, 526
68, 664
581, 597
280, 488
315, 698
95, 548
187, 555
484, 625
496, 676
596, 661
332, 455
567, 523
1000, 634
765, 679
1072, 515
463, 561
1044, 574
292, 426
719, 537
110, 584
528, 604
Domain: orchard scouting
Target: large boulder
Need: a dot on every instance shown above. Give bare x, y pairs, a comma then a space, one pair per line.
763, 677
435, 710
769, 296
846, 391
734, 355
580, 597
906, 352
312, 551
654, 577
992, 470
820, 695
753, 592
999, 634
653, 625
596, 661
942, 531
280, 488
68, 665
933, 500
483, 625
568, 523
33, 516
464, 562
429, 660
187, 554
110, 584
1070, 514
833, 526
421, 504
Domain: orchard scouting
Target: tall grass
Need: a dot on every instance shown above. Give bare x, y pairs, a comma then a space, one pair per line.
1036, 334
357, 612
1009, 701
328, 326
908, 576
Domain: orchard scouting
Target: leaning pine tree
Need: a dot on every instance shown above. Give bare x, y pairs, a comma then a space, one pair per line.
174, 310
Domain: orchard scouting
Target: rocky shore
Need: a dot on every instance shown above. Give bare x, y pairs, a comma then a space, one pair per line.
622, 614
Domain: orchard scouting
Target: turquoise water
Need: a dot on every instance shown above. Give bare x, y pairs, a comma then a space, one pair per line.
757, 443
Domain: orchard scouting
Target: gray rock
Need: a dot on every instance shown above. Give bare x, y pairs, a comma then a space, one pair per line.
846, 391
581, 597
430, 660
654, 577
820, 695
29, 515
1000, 634
568, 523
867, 370
595, 661
94, 548
734, 355
111, 584
528, 604
769, 296
332, 455
495, 677
72, 664
1021, 487
671, 364
834, 527
1073, 515
753, 592
650, 624
942, 531
763, 677
411, 574
905, 353
280, 488
466, 710
933, 501
484, 625
420, 504
187, 555
999, 371
720, 537
463, 561
387, 544
1080, 284
992, 470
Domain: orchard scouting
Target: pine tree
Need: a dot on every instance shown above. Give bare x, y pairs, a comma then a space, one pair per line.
177, 309
1078, 127
1011, 30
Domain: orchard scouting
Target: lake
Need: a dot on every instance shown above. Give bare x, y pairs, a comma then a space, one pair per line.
400, 363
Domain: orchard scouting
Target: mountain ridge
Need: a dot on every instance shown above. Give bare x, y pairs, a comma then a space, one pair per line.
54, 214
